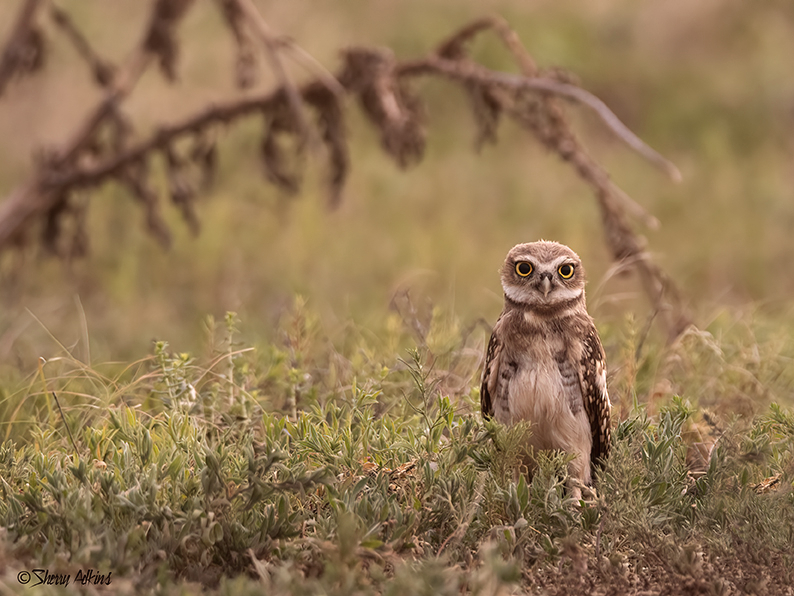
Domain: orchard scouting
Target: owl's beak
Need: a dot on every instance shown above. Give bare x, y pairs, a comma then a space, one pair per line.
545, 286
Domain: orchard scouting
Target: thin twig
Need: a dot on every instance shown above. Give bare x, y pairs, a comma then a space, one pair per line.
42, 361
484, 76
14, 51
512, 42
459, 532
83, 328
646, 329
453, 46
66, 424
446, 63
272, 47
166, 135
103, 71
598, 536
313, 65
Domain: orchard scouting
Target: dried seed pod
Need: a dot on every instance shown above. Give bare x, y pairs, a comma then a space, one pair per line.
25, 51
121, 131
135, 177
102, 70
486, 105
283, 164
388, 103
181, 190
79, 242
204, 155
332, 127
246, 62
53, 224
161, 35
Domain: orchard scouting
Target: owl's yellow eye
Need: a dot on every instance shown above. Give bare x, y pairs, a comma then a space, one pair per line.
523, 268
565, 271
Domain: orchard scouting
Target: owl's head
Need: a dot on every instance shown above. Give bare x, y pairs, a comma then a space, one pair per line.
543, 275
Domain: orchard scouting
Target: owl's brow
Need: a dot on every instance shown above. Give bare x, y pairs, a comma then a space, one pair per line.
561, 260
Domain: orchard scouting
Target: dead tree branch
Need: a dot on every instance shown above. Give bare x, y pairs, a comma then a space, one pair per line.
33, 198
471, 73
273, 48
546, 120
295, 114
24, 51
103, 71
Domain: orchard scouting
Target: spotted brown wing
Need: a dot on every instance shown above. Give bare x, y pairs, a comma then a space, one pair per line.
490, 373
596, 398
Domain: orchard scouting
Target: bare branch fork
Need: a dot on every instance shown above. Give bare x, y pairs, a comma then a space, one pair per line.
311, 114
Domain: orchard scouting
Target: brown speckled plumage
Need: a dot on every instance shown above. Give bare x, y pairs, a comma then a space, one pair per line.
545, 362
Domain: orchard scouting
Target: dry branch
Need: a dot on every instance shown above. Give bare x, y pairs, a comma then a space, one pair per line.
24, 50
546, 120
246, 53
471, 73
103, 71
34, 198
294, 114
273, 48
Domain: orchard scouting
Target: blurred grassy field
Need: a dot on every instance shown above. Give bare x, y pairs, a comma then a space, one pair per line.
186, 466
707, 85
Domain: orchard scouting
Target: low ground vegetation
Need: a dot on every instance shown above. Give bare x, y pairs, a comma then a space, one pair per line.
304, 467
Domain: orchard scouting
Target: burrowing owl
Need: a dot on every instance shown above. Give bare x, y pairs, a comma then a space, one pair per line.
545, 362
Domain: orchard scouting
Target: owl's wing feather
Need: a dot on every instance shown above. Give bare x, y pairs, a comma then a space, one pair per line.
571, 383
490, 372
595, 397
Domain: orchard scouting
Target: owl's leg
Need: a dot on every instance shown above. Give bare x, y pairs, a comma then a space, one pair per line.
576, 492
578, 442
578, 475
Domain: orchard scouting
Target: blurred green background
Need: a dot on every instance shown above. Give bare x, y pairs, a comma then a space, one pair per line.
708, 84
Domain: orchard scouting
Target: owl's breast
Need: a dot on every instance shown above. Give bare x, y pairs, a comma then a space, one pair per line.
539, 393
536, 392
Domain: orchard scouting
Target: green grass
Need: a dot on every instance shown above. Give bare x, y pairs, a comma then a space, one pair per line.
332, 443
385, 479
